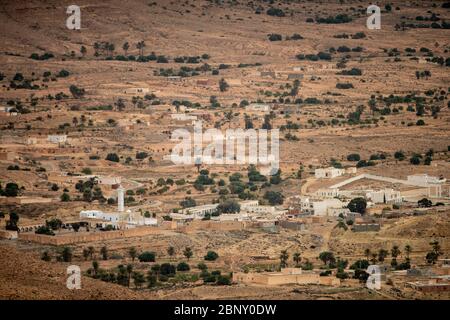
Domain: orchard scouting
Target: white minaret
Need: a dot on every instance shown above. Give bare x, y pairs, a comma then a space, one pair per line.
120, 199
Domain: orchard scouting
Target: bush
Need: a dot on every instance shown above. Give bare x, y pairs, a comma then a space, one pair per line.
353, 157
340, 18
76, 92
63, 73
183, 266
223, 281
274, 198
344, 86
147, 256
211, 256
65, 197
351, 72
275, 37
229, 206
357, 205
167, 269
45, 230
415, 159
112, 157
275, 12
399, 155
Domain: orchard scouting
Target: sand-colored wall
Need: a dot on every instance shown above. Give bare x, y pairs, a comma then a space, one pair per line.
212, 225
282, 279
88, 237
24, 200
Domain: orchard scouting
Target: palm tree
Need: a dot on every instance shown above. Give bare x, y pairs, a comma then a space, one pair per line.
367, 253
83, 51
129, 272
96, 48
229, 117
125, 47
284, 256
95, 267
408, 250
138, 278
374, 258
91, 252
188, 253
120, 104
134, 100
133, 253
86, 253
297, 258
104, 252
395, 251
382, 254
110, 47
141, 45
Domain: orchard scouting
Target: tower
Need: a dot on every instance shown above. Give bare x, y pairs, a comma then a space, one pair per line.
120, 198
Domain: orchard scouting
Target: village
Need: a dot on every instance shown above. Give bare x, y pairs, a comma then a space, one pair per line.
352, 123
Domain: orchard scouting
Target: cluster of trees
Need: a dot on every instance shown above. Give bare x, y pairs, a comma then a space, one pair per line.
358, 35
157, 273
11, 189
193, 59
340, 85
12, 222
314, 57
77, 92
277, 12
90, 190
64, 254
279, 37
423, 74
44, 56
351, 72
340, 18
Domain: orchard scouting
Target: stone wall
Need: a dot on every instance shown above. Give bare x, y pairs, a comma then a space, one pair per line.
197, 225
282, 279
88, 237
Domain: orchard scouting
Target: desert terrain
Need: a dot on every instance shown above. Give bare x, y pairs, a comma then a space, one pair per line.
86, 113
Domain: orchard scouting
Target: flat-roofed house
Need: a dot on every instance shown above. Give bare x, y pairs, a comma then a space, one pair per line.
328, 173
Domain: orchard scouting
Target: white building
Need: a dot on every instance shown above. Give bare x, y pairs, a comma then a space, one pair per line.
327, 193
325, 207
258, 107
246, 204
199, 212
183, 117
424, 180
384, 196
91, 214
57, 138
328, 173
